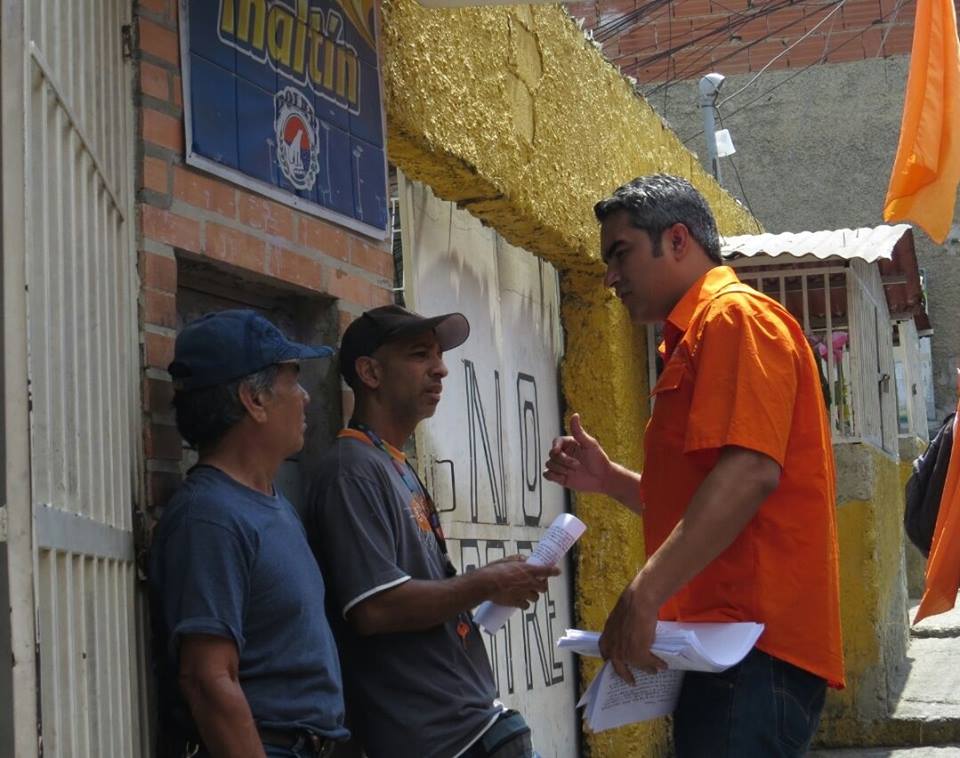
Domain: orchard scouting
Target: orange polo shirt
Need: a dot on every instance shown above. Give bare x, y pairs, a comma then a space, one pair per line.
739, 371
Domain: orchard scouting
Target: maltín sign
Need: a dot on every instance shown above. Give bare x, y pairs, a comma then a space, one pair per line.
283, 97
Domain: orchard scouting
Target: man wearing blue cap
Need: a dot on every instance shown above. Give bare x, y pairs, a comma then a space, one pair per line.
247, 661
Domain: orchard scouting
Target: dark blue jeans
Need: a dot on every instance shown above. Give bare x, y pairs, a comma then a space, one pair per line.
762, 707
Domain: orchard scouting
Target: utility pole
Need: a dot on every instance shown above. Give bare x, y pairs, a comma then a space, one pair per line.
709, 90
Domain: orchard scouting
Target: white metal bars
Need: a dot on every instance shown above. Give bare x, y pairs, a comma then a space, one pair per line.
83, 371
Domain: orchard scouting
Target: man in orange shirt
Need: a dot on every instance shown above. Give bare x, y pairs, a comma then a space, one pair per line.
738, 489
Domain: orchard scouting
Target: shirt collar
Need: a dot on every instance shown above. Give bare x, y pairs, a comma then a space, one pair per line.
700, 291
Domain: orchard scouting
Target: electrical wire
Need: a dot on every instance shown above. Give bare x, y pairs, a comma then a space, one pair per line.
694, 65
886, 32
786, 50
743, 192
795, 74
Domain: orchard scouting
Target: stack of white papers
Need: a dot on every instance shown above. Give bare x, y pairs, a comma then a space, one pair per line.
610, 702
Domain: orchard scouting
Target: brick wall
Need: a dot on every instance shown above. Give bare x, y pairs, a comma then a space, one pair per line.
184, 211
685, 39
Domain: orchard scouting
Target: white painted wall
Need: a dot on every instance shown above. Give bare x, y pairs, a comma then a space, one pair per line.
483, 451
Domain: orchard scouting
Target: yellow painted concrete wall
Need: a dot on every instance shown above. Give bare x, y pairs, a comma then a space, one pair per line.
511, 113
872, 592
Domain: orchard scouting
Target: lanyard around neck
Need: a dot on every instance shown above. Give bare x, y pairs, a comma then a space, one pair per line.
410, 479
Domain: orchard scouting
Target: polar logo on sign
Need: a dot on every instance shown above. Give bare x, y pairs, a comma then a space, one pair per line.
296, 128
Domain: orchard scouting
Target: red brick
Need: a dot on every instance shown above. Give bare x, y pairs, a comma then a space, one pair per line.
655, 72
156, 175
344, 319
162, 442
346, 286
236, 248
871, 42
371, 258
641, 40
160, 308
754, 29
845, 47
805, 52
739, 64
162, 129
380, 296
154, 81
158, 272
158, 350
203, 192
159, 41
176, 91
157, 395
169, 228
858, 14
295, 268
762, 53
899, 40
325, 238
266, 215
692, 8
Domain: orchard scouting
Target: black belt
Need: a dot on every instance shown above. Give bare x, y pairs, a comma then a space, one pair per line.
321, 746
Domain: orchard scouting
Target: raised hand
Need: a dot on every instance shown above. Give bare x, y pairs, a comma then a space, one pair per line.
577, 461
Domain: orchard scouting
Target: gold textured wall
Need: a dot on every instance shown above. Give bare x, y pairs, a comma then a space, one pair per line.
514, 115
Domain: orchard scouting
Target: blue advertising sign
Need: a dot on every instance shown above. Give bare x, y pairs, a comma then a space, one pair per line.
283, 97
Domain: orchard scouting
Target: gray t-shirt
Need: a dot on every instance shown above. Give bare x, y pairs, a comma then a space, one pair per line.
424, 694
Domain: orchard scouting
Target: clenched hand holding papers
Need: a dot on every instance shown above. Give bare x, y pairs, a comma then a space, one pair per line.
610, 702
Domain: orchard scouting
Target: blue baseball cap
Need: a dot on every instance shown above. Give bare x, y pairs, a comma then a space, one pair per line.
220, 347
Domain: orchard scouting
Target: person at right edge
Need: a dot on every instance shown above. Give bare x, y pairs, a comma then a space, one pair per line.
738, 489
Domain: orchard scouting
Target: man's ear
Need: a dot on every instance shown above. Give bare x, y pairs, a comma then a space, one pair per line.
677, 239
368, 371
253, 402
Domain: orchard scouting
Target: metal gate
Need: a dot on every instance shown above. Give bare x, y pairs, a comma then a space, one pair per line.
70, 370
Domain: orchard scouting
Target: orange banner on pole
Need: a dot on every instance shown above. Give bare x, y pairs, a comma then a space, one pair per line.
943, 565
926, 170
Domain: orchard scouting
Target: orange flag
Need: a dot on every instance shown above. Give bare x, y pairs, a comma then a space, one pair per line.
943, 565
923, 183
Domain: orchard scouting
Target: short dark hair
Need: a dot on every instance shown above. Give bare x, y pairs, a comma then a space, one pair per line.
657, 202
204, 415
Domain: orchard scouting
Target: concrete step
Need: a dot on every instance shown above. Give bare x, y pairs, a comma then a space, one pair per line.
943, 625
927, 698
931, 690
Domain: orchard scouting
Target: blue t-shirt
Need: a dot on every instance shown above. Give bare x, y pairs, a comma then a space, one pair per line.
232, 562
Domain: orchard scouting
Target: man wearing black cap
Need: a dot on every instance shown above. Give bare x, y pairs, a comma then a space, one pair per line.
416, 674
246, 660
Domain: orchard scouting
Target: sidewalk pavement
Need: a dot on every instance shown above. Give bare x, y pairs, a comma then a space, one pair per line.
930, 698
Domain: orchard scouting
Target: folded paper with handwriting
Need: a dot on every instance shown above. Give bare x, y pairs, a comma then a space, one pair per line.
565, 530
610, 702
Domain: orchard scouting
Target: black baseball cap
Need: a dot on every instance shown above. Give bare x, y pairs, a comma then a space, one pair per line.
220, 347
390, 322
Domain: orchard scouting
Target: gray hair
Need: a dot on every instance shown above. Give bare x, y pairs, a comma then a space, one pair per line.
657, 202
204, 415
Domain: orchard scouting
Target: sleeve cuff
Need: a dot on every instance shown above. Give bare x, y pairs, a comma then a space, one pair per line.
212, 626
374, 591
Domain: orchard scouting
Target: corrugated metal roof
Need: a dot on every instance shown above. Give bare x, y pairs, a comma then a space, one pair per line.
868, 243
